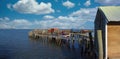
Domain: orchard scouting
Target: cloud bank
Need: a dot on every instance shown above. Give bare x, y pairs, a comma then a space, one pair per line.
79, 19
32, 7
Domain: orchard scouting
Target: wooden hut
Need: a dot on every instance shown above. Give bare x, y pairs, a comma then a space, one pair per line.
108, 21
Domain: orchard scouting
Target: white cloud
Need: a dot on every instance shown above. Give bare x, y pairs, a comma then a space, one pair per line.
21, 22
68, 4
4, 26
6, 23
32, 7
62, 22
4, 19
80, 12
9, 6
65, 19
108, 2
48, 17
87, 3
83, 18
85, 13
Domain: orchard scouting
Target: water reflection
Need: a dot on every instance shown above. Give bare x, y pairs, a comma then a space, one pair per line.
70, 49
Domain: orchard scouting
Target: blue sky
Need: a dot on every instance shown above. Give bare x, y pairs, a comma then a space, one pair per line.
43, 14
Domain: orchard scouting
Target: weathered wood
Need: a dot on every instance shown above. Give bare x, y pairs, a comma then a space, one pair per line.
113, 39
100, 43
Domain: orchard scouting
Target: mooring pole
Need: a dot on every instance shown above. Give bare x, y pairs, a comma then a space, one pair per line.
100, 44
91, 40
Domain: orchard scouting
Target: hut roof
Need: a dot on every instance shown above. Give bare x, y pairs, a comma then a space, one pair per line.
112, 13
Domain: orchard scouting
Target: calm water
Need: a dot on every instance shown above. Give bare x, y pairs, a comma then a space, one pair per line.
15, 44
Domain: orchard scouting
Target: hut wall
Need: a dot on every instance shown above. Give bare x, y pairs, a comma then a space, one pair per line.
100, 24
113, 41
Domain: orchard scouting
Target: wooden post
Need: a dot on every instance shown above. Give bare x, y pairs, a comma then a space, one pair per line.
100, 44
91, 40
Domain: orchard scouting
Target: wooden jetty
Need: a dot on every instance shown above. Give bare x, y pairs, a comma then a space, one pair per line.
41, 34
84, 39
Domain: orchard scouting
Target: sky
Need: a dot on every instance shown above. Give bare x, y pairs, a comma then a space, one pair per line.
44, 14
